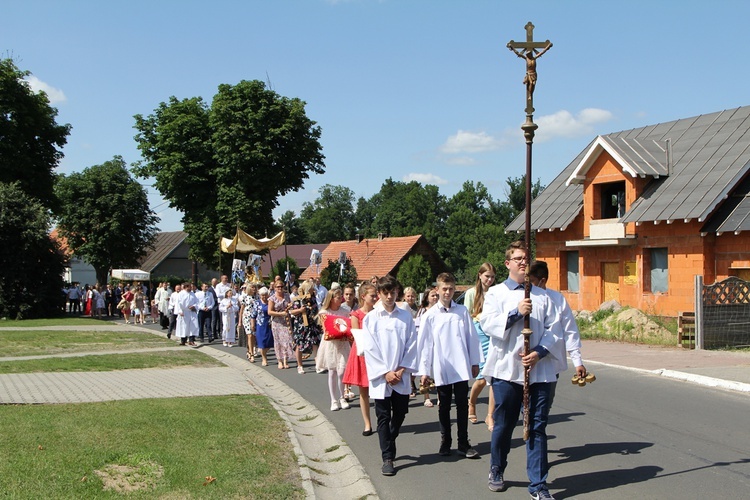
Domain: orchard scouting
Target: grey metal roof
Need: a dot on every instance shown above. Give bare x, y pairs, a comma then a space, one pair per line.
164, 244
734, 214
557, 205
710, 154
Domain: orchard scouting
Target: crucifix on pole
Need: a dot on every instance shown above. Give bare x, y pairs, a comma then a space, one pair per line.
530, 51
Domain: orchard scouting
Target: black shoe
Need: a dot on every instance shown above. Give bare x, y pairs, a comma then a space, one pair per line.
169, 335
368, 432
388, 468
445, 449
467, 451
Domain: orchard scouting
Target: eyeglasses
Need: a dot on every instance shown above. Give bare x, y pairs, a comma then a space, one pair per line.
518, 260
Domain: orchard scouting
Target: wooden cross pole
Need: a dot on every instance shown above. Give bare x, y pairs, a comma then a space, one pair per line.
530, 51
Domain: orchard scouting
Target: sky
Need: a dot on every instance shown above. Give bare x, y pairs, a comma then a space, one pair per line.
421, 90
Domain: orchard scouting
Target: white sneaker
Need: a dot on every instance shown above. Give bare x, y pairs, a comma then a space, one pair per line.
344, 404
320, 370
335, 406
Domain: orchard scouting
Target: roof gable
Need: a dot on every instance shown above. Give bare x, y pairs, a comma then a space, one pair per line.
164, 244
695, 163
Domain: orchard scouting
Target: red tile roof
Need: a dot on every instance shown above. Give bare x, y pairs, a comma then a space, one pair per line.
371, 257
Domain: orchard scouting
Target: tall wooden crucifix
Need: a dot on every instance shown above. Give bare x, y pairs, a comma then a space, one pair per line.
529, 51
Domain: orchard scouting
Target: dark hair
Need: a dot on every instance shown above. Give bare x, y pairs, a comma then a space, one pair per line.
388, 283
479, 289
539, 270
426, 296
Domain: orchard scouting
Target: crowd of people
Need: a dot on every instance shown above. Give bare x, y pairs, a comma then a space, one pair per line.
400, 341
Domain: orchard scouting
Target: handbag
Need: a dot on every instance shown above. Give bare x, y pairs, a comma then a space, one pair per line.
122, 304
337, 328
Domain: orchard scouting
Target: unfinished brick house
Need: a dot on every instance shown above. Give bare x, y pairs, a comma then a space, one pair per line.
638, 213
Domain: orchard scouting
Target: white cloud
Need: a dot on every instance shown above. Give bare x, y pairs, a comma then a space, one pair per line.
425, 179
460, 161
470, 142
54, 95
564, 124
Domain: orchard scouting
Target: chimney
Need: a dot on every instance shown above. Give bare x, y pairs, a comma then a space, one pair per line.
358, 237
380, 236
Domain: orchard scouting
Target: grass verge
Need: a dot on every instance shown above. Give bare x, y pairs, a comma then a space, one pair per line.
204, 447
61, 321
39, 342
109, 362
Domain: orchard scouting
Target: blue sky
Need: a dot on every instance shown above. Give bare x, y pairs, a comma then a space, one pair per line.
409, 89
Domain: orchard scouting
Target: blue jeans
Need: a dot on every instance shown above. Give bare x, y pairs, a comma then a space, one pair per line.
508, 402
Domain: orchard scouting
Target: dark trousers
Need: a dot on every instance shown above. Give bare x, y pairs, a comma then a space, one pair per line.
459, 390
205, 325
75, 305
163, 320
216, 322
390, 413
172, 323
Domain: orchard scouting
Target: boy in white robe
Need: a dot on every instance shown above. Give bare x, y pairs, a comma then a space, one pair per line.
449, 353
502, 320
390, 357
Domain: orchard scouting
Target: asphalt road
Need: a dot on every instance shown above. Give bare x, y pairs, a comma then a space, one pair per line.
628, 435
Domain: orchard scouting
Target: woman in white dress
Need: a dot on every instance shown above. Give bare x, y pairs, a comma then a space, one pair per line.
228, 308
333, 354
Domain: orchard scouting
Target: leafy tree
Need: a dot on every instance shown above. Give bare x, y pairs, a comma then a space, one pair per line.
30, 138
403, 209
31, 282
228, 164
332, 272
105, 216
331, 216
416, 273
292, 225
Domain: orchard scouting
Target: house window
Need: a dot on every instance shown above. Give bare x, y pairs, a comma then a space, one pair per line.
659, 270
569, 277
612, 200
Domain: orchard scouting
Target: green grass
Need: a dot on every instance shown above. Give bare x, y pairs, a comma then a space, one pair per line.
109, 362
62, 321
53, 451
39, 342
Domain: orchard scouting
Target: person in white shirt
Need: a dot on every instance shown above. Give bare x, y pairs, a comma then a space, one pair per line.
567, 326
221, 290
320, 292
172, 308
502, 320
390, 358
449, 354
205, 306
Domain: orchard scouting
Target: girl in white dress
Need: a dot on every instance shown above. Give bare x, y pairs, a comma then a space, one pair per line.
333, 354
228, 308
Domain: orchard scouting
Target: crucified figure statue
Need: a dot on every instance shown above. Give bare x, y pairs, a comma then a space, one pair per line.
530, 55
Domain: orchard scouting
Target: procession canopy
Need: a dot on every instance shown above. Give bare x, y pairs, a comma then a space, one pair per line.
244, 243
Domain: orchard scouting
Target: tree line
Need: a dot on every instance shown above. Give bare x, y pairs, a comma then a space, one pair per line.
465, 229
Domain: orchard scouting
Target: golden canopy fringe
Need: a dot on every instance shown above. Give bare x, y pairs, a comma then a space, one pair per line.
244, 243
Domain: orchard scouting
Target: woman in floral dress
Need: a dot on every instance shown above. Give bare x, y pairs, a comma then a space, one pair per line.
248, 313
263, 335
278, 308
306, 331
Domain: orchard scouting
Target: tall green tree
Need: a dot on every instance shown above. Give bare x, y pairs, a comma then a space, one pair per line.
333, 272
30, 138
416, 273
105, 216
228, 163
404, 209
293, 227
31, 280
331, 216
